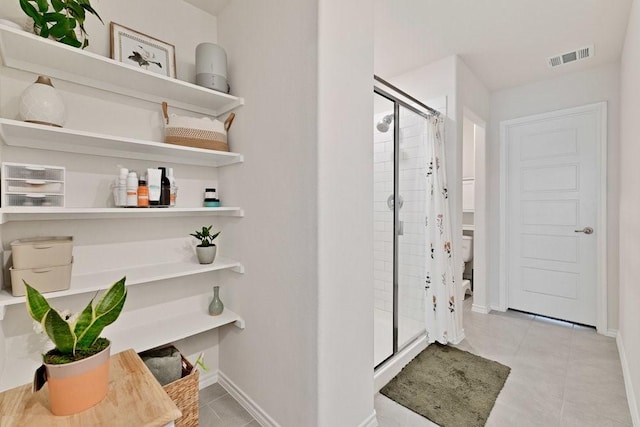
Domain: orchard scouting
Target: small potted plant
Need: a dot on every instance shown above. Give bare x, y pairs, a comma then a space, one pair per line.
206, 250
77, 369
61, 20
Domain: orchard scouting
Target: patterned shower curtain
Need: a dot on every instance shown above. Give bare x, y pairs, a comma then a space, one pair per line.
440, 292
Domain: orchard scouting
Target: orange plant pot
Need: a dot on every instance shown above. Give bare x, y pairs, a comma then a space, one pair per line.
75, 387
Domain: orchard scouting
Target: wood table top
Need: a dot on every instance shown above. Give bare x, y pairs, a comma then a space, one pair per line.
135, 398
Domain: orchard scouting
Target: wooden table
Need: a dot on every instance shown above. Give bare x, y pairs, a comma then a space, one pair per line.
135, 398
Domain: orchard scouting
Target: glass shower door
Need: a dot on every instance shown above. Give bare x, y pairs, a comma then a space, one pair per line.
410, 227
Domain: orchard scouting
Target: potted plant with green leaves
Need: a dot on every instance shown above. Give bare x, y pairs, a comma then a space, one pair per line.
61, 20
206, 250
77, 369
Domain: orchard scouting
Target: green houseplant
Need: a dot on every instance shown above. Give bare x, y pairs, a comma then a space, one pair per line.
62, 20
80, 355
206, 250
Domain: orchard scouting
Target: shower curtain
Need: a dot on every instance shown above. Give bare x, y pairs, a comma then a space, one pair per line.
440, 289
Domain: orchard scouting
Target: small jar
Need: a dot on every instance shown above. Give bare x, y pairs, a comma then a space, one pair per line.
211, 198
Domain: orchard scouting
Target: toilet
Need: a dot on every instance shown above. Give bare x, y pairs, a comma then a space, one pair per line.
467, 255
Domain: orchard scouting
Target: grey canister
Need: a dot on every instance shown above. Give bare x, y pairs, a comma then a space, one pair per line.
216, 307
211, 67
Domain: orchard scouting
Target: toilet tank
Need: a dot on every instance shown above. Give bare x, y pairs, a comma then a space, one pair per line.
467, 248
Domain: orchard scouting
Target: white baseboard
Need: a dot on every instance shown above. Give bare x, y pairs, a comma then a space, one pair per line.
480, 309
371, 421
392, 367
461, 336
246, 402
207, 378
498, 308
613, 333
631, 396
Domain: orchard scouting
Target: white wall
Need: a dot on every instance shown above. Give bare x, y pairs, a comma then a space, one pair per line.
272, 57
586, 87
345, 218
89, 178
629, 207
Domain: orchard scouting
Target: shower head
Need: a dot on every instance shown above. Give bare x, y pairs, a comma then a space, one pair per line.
383, 125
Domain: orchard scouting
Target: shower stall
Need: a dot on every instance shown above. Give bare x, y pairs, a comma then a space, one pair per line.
399, 129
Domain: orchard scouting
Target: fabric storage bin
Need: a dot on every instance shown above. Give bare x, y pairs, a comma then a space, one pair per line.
196, 132
32, 185
184, 392
46, 279
40, 252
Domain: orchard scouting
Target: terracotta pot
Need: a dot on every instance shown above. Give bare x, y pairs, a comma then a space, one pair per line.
75, 387
206, 254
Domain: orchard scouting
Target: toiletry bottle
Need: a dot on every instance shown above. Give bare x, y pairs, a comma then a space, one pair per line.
132, 190
173, 190
122, 188
154, 178
143, 193
165, 188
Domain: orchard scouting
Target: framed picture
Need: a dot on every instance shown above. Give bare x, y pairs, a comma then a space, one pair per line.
140, 50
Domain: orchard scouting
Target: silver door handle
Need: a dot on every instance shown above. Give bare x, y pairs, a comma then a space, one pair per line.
586, 230
400, 228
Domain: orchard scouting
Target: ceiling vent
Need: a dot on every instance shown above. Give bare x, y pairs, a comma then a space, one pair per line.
574, 55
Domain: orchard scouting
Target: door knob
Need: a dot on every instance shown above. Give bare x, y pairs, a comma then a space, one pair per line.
586, 230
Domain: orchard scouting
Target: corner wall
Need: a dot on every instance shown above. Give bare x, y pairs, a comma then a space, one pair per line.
272, 61
628, 337
569, 90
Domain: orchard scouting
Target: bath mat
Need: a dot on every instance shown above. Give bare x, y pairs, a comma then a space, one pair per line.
451, 387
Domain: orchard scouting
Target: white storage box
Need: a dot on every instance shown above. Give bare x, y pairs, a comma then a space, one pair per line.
32, 185
40, 252
47, 279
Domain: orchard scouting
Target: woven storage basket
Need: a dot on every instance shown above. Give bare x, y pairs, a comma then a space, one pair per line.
198, 133
184, 393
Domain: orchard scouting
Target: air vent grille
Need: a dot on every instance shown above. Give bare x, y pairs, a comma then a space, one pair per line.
567, 57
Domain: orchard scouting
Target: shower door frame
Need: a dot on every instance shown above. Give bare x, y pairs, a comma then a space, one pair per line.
397, 103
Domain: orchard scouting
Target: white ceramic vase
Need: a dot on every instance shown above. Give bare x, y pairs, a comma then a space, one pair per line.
41, 103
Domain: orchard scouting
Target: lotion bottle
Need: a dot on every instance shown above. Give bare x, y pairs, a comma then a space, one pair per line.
173, 189
165, 187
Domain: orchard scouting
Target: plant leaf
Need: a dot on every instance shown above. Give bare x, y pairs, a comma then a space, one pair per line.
60, 29
31, 12
37, 305
85, 319
87, 6
43, 5
60, 332
53, 17
58, 5
112, 297
215, 235
95, 329
71, 40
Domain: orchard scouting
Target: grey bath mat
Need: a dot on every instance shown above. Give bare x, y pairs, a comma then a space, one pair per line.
451, 387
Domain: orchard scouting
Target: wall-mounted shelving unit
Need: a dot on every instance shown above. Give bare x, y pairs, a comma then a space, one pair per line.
97, 266
28, 52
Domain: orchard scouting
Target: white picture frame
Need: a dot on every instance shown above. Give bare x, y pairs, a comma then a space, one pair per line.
141, 51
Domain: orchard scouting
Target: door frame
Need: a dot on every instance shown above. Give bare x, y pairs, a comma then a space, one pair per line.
601, 223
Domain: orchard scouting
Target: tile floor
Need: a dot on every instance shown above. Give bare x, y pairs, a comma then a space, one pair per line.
219, 409
561, 374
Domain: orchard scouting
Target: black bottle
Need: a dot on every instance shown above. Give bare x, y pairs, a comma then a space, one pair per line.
165, 188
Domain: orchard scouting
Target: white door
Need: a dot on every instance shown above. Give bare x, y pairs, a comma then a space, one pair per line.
552, 212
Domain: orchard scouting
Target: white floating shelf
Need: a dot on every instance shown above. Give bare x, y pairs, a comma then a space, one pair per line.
12, 214
21, 134
166, 323
24, 51
101, 280
141, 330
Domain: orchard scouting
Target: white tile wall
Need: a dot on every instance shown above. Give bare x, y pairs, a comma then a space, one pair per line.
412, 242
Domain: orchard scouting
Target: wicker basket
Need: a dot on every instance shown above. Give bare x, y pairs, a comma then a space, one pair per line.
184, 393
198, 133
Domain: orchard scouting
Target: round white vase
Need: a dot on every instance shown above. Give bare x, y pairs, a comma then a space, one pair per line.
41, 103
